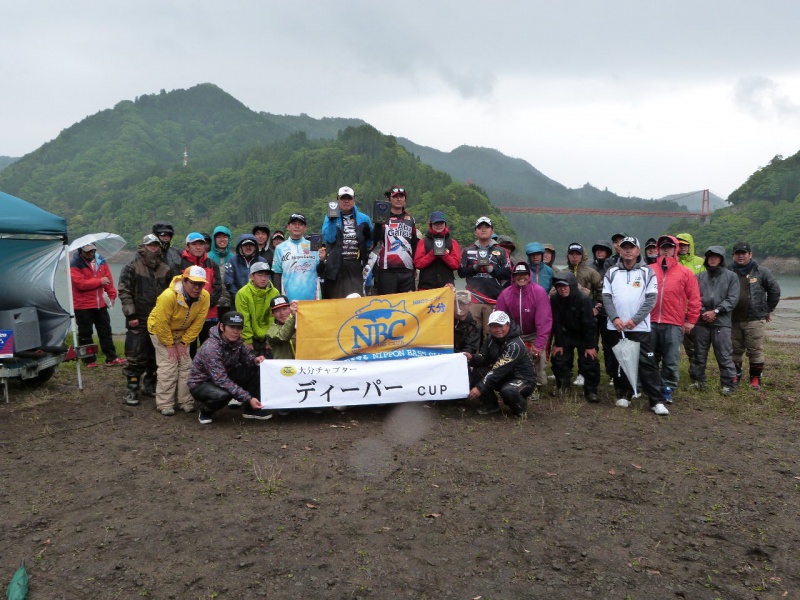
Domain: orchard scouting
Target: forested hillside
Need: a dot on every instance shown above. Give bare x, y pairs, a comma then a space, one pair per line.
121, 169
765, 212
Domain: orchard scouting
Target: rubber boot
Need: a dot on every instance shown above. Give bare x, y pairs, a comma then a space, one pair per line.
132, 395
738, 367
756, 369
149, 385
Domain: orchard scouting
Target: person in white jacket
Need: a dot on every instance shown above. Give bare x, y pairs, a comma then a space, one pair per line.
630, 291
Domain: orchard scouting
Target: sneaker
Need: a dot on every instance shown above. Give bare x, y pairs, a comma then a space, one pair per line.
234, 403
91, 365
262, 414
578, 380
592, 397
119, 361
698, 385
623, 402
726, 390
667, 391
755, 383
204, 418
189, 408
168, 412
488, 410
660, 409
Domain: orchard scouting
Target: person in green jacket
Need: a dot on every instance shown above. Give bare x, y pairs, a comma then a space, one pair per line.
281, 334
686, 255
253, 302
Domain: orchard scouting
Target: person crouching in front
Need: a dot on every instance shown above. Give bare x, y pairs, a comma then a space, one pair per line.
225, 369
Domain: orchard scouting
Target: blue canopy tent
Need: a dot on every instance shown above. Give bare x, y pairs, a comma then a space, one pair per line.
32, 242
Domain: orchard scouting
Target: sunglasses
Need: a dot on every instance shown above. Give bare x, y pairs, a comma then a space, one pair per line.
398, 190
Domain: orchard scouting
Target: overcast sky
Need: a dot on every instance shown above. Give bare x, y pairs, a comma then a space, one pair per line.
643, 98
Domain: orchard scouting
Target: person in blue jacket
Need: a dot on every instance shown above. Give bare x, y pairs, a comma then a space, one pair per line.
237, 269
541, 274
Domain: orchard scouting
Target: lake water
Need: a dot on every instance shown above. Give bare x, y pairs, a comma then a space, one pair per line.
785, 326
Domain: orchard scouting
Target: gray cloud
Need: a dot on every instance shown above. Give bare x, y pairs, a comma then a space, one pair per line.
762, 98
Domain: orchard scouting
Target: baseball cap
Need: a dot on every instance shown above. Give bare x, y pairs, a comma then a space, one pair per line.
195, 237
482, 220
575, 247
651, 242
297, 217
521, 267
741, 247
498, 317
629, 240
346, 191
88, 247
665, 241
258, 267
437, 217
233, 318
558, 281
196, 274
150, 239
618, 235
278, 302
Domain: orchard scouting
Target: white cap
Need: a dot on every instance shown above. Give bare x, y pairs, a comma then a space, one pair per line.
346, 191
498, 317
150, 238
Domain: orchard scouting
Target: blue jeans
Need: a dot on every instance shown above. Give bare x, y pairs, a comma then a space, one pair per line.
667, 341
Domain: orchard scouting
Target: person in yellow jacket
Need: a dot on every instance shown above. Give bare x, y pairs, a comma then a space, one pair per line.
173, 324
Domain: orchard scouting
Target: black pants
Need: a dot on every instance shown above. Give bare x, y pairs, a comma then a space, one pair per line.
349, 280
202, 336
394, 281
86, 319
588, 367
514, 393
211, 397
649, 374
140, 353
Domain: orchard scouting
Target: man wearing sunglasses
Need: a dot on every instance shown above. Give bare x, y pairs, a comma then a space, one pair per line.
394, 269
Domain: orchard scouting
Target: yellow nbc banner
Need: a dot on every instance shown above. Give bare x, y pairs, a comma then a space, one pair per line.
406, 325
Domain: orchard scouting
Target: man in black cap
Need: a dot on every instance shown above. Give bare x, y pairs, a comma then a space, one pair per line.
295, 264
759, 294
172, 256
223, 369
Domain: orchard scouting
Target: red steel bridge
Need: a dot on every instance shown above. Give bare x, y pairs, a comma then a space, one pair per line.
705, 210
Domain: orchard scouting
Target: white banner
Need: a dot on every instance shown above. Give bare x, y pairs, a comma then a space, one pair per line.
327, 383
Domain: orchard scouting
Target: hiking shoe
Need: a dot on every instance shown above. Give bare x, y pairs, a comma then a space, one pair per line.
116, 362
168, 412
623, 402
204, 418
660, 409
488, 410
262, 414
234, 403
698, 385
727, 390
91, 365
592, 397
755, 383
578, 380
189, 408
667, 391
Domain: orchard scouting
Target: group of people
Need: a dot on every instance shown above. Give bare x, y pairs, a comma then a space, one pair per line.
199, 319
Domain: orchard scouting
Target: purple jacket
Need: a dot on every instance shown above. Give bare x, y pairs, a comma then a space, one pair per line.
528, 307
215, 359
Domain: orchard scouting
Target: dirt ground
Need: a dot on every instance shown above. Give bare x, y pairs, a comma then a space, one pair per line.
416, 501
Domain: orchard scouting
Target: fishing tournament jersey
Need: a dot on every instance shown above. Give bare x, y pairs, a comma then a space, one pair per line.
297, 264
630, 294
399, 242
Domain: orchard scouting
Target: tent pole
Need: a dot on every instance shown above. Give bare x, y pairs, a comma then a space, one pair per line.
72, 318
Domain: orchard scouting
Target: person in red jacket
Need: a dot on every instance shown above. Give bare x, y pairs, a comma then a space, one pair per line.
437, 255
93, 292
675, 313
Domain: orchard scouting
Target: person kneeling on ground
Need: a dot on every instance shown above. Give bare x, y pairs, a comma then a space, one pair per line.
510, 369
224, 368
282, 333
573, 330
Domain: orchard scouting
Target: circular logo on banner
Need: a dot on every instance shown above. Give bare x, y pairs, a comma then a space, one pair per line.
378, 327
288, 371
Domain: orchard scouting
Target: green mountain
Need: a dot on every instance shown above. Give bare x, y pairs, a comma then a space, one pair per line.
7, 160
514, 182
122, 169
765, 212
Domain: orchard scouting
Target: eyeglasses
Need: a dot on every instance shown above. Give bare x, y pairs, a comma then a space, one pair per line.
398, 190
194, 283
